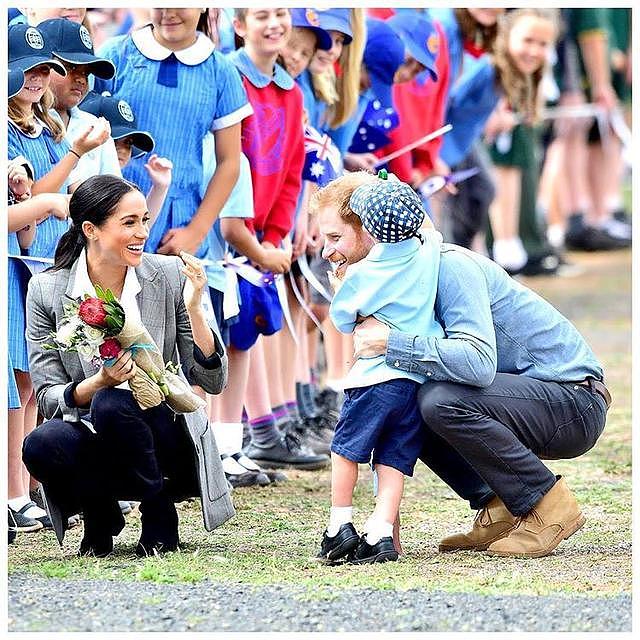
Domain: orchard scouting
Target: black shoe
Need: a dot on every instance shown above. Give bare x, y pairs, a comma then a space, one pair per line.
622, 216
542, 265
339, 546
310, 435
239, 476
381, 551
262, 477
285, 452
97, 546
580, 237
13, 528
146, 548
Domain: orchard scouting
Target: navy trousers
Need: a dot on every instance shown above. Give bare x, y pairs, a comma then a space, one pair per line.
491, 441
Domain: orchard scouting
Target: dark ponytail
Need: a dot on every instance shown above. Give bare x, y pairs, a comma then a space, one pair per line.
93, 201
203, 24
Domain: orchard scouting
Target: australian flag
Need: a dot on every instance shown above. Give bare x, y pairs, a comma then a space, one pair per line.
372, 132
323, 162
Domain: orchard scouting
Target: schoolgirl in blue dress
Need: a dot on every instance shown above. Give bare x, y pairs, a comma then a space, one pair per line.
180, 89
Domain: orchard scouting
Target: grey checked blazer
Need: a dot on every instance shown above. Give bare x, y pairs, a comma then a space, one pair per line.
163, 313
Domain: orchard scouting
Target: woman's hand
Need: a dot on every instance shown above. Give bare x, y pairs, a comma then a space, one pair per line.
370, 338
95, 135
196, 281
124, 368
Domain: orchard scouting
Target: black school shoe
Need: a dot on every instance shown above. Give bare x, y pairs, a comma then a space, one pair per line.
381, 551
339, 546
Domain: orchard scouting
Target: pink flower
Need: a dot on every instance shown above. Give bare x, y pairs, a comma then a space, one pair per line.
110, 348
93, 313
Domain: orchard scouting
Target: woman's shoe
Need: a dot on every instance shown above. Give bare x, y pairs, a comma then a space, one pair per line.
147, 548
98, 547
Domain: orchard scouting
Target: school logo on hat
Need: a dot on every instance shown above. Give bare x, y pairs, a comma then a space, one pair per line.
85, 36
433, 43
34, 38
125, 110
312, 17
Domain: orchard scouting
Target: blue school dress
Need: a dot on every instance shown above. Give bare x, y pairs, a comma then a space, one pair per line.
17, 288
43, 152
178, 97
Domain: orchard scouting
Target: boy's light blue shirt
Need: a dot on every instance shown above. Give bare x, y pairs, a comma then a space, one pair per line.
492, 323
396, 283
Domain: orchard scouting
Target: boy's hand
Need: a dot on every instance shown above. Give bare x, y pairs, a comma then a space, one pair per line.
159, 170
275, 260
95, 135
180, 239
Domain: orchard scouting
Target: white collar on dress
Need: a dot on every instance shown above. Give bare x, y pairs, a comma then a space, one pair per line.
82, 283
149, 47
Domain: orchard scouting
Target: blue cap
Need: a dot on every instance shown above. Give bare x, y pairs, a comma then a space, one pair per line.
390, 210
28, 48
308, 19
120, 116
336, 20
16, 81
420, 38
71, 42
383, 55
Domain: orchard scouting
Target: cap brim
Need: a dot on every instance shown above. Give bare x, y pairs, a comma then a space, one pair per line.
382, 90
99, 67
16, 82
141, 139
32, 62
325, 42
328, 23
423, 57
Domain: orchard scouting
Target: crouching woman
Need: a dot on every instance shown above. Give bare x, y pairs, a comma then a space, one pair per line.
97, 445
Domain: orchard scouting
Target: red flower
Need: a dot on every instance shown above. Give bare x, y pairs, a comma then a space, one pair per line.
93, 313
110, 348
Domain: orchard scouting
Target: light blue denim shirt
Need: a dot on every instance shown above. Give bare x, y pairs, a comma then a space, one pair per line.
492, 324
396, 283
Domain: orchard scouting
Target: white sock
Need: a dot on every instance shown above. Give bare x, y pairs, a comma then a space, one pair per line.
509, 253
230, 466
228, 437
17, 503
338, 517
376, 529
555, 235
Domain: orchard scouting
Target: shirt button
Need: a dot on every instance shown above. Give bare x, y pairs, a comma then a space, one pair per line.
396, 363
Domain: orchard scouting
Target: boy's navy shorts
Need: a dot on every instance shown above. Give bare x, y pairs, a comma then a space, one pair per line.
383, 419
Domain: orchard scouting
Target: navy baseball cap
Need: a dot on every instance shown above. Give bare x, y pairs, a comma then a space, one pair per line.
16, 81
383, 55
390, 210
308, 19
420, 38
120, 116
28, 48
71, 42
336, 20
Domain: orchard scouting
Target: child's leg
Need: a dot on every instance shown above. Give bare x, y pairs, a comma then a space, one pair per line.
344, 476
390, 487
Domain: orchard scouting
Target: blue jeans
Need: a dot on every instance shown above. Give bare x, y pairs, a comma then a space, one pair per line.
491, 441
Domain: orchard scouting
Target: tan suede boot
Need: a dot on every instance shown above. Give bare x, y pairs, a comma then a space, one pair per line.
492, 523
555, 518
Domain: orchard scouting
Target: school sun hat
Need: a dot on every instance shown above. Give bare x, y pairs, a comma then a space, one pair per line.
16, 81
420, 38
390, 210
336, 20
28, 48
383, 54
308, 19
120, 116
72, 43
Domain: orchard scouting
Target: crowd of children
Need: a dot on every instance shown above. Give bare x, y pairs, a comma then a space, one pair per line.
232, 120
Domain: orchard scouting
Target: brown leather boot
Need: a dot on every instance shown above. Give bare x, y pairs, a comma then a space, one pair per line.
555, 518
492, 523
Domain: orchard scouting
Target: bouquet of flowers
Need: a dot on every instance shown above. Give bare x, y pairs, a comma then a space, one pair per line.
97, 329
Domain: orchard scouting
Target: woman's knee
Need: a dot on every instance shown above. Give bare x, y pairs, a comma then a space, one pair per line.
41, 448
108, 404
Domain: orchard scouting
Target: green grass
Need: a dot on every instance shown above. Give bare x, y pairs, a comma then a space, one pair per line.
276, 530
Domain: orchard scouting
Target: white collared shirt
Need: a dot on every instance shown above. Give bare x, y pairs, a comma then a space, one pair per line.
82, 284
197, 53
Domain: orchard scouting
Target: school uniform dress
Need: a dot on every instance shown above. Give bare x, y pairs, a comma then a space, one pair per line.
178, 96
43, 152
17, 356
396, 283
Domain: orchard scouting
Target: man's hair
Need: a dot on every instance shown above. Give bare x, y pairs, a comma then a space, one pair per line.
338, 193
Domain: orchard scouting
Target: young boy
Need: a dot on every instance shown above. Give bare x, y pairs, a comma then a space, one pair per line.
396, 283
131, 142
